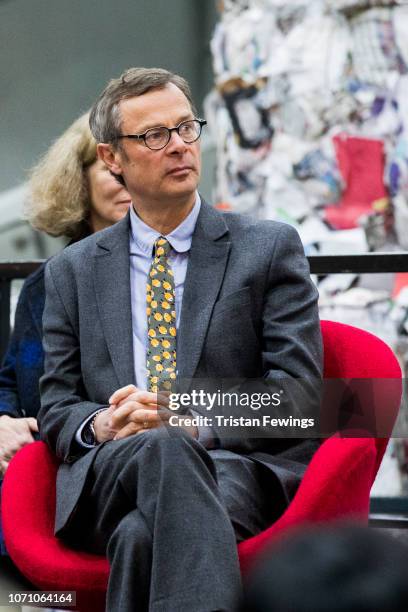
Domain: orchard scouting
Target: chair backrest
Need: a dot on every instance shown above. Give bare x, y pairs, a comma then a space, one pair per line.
371, 371
351, 352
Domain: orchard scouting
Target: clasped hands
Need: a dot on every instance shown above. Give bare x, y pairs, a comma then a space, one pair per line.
132, 411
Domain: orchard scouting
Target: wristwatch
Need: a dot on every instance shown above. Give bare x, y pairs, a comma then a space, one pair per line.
88, 432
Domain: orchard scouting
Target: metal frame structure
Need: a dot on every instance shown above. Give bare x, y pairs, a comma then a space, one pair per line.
367, 263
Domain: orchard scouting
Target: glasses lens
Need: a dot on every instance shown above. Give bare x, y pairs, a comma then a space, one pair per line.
190, 130
157, 138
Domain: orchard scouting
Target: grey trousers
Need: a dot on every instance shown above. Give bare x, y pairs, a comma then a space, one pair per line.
168, 514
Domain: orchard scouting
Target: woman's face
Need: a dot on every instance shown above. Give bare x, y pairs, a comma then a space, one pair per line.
109, 200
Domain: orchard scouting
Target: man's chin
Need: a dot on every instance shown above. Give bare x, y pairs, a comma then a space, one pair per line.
183, 189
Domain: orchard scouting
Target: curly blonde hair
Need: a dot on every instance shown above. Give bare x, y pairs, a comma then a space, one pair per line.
59, 202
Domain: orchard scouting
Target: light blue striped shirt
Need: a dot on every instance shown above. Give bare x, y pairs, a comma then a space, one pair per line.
142, 239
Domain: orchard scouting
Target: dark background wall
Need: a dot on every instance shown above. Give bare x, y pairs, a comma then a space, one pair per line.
57, 55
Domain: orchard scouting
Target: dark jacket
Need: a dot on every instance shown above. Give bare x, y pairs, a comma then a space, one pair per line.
249, 310
23, 363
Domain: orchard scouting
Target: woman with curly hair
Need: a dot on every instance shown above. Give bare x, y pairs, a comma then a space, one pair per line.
72, 194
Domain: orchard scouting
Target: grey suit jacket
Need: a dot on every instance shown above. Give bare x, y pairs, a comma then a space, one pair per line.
249, 310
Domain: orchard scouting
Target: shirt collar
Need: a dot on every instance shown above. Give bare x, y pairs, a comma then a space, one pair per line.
143, 237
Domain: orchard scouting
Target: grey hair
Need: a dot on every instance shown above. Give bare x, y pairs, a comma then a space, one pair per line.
105, 118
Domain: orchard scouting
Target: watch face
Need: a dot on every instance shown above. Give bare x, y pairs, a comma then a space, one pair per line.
88, 432
88, 435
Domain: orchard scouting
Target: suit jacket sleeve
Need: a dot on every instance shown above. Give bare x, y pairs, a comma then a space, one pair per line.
292, 344
64, 403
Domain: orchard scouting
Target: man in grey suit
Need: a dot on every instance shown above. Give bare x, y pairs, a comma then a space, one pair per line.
174, 292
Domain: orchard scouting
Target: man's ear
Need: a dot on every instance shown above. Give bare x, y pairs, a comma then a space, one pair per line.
110, 157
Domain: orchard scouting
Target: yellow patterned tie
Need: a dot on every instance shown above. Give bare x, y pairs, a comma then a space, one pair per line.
161, 320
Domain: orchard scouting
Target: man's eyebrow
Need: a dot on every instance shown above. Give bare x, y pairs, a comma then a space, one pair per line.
185, 117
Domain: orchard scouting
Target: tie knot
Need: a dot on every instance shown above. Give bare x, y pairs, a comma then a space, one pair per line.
161, 247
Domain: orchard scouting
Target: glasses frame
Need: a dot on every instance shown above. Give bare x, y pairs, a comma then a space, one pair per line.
142, 137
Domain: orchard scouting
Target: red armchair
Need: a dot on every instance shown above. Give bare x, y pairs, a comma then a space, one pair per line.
336, 484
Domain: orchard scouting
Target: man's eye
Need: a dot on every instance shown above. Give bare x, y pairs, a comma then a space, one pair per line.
155, 135
187, 128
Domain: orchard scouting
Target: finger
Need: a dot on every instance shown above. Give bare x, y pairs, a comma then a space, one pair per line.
140, 398
150, 399
152, 426
3, 466
161, 397
128, 430
8, 452
127, 412
8, 455
122, 393
110, 410
24, 438
145, 417
146, 397
121, 414
32, 423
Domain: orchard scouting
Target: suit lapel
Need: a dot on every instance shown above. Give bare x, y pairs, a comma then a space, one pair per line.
112, 289
205, 273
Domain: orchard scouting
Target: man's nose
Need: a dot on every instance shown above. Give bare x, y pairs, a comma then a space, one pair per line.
176, 143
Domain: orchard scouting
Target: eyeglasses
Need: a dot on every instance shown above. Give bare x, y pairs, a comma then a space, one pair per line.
157, 138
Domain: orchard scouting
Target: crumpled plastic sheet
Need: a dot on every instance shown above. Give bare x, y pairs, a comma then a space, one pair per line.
316, 74
376, 54
317, 69
298, 112
239, 179
241, 44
